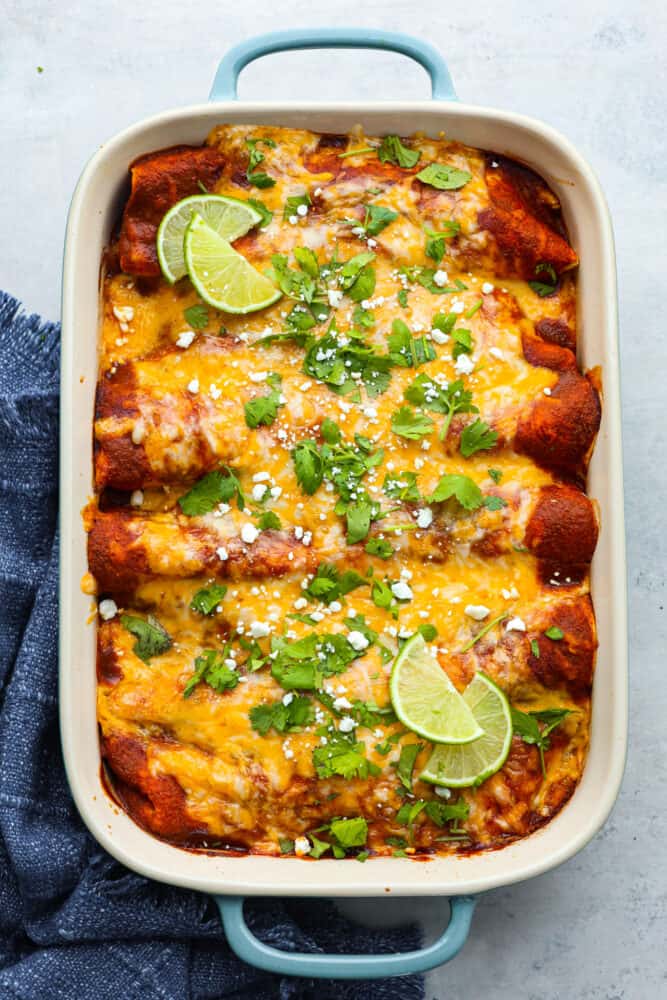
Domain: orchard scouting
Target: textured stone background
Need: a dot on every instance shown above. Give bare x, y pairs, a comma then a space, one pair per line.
595, 928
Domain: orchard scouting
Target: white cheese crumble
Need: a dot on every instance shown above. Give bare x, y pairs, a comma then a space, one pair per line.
222, 553
477, 611
137, 498
108, 609
439, 337
357, 640
301, 844
193, 386
185, 339
259, 630
335, 298
302, 210
340, 703
346, 724
464, 364
424, 517
401, 591
487, 288
515, 625
257, 376
300, 603
258, 491
249, 533
440, 278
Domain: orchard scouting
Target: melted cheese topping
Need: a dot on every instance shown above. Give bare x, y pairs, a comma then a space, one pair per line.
241, 787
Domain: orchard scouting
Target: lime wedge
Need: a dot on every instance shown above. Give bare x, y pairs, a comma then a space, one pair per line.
228, 217
462, 766
223, 278
426, 701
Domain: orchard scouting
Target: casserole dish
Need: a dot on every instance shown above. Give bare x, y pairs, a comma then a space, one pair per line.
94, 211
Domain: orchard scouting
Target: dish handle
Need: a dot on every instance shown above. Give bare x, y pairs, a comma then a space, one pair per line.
289, 963
238, 57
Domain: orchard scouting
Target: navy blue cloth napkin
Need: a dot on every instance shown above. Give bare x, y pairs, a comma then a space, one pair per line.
73, 922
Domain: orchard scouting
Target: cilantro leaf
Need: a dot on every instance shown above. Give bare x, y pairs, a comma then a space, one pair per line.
409, 424
340, 755
444, 812
358, 277
263, 409
461, 488
379, 547
213, 489
449, 400
477, 436
402, 486
329, 584
260, 207
206, 600
544, 288
392, 150
534, 728
196, 316
293, 202
269, 521
403, 298
535, 648
345, 366
330, 431
462, 342
407, 351
349, 832
494, 502
406, 763
286, 845
283, 718
301, 665
259, 178
554, 633
436, 245
152, 637
377, 218
211, 668
444, 177
495, 474
308, 465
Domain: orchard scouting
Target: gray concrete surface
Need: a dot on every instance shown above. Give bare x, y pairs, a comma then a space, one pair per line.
595, 928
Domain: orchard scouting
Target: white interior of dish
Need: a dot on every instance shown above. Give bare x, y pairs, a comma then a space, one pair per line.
94, 211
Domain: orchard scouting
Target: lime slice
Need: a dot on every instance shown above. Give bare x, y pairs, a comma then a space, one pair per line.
223, 278
426, 701
462, 766
228, 217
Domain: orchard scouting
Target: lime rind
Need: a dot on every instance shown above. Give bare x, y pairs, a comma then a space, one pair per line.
223, 277
229, 217
426, 701
471, 764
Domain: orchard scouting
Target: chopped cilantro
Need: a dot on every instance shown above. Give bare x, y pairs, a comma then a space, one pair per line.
449, 400
283, 718
554, 633
293, 202
392, 150
206, 600
260, 207
544, 288
535, 648
436, 245
535, 727
409, 424
462, 342
477, 436
461, 488
269, 521
377, 218
407, 351
264, 409
406, 763
196, 316
152, 638
444, 177
212, 668
213, 489
379, 547
259, 178
495, 474
329, 584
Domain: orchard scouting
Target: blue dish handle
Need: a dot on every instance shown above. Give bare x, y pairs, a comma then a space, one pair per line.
290, 963
224, 84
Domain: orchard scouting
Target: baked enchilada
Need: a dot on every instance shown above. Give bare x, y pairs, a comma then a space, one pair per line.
325, 518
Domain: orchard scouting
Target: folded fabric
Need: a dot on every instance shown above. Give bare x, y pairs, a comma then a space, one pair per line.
73, 922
